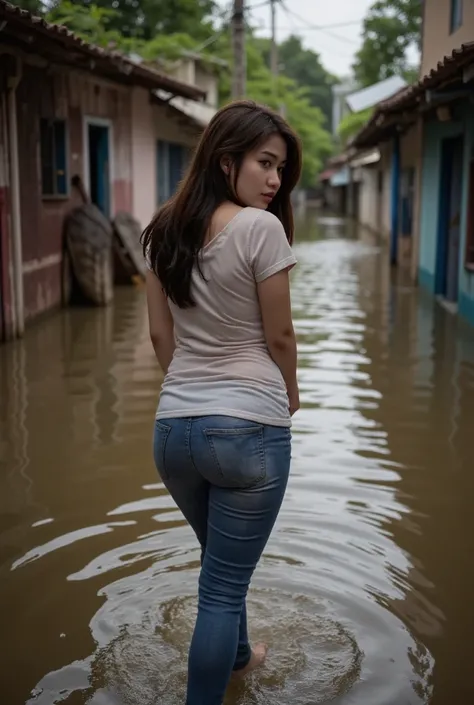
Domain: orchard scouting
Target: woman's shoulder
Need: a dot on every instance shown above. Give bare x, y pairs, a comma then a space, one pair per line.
261, 219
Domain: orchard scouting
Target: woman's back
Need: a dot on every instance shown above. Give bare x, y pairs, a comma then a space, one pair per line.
221, 364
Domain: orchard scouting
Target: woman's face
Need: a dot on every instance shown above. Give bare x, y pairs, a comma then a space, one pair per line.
260, 174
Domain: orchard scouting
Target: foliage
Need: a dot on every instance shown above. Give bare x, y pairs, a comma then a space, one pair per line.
351, 124
146, 18
390, 29
91, 23
284, 94
159, 30
305, 68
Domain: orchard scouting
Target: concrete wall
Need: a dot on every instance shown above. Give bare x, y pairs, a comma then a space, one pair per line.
368, 197
437, 39
143, 157
434, 133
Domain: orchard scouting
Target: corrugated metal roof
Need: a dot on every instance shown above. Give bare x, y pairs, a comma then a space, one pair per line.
409, 98
373, 95
113, 64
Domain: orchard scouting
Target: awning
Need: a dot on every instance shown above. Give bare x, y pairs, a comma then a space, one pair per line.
366, 159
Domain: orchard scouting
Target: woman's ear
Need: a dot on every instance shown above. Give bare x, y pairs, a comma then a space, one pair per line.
226, 165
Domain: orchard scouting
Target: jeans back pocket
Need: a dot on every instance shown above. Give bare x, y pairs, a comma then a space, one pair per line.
238, 455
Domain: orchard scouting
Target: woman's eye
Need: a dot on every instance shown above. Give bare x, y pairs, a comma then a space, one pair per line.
266, 164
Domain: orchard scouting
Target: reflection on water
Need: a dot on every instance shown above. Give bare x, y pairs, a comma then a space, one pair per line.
364, 591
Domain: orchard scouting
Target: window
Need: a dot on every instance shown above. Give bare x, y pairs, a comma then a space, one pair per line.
469, 261
456, 14
53, 157
172, 160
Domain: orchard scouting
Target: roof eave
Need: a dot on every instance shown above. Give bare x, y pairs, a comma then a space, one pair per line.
104, 62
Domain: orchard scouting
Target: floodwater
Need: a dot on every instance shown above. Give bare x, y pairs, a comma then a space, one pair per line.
365, 591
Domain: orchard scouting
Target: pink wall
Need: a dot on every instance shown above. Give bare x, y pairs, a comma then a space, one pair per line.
143, 157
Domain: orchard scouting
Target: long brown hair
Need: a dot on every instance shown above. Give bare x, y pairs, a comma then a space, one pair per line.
173, 239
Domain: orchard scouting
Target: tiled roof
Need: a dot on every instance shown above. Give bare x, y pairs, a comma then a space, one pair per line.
409, 97
113, 64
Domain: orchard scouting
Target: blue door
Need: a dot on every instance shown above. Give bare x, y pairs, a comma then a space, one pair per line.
99, 166
449, 233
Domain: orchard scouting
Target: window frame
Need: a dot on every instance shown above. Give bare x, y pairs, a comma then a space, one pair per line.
59, 163
456, 15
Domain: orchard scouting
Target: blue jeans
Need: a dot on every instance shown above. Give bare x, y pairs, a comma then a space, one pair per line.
228, 476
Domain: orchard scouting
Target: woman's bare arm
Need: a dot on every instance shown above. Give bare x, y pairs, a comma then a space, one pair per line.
160, 322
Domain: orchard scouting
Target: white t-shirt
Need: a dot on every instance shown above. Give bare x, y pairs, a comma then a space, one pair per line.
221, 364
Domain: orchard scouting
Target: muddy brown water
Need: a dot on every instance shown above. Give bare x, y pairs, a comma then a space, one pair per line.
365, 591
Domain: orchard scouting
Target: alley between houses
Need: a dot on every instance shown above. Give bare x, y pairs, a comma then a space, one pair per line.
365, 590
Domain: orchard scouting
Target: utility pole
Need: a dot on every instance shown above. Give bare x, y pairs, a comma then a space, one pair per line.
274, 53
238, 45
274, 48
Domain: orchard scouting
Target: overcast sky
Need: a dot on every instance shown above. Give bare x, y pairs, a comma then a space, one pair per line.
336, 45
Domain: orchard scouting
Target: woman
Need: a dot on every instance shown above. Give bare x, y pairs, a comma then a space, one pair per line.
220, 321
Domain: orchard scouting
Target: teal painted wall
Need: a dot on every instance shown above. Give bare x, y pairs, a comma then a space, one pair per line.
434, 134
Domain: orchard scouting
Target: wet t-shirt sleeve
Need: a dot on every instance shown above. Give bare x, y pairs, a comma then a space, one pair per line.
269, 251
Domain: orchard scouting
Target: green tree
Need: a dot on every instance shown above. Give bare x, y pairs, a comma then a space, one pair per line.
305, 68
390, 29
283, 93
102, 23
146, 18
351, 124
92, 23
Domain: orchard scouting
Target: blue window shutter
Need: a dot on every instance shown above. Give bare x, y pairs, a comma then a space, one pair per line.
60, 157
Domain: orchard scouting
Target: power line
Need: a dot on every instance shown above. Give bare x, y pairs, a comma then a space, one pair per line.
260, 4
323, 27
317, 27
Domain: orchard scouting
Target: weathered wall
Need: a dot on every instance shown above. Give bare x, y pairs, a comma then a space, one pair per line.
144, 157
71, 96
171, 129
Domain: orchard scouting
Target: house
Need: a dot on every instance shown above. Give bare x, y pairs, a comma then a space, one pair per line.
166, 129
434, 118
340, 109
391, 188
360, 188
70, 108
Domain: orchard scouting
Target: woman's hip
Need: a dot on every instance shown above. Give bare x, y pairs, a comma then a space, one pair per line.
225, 450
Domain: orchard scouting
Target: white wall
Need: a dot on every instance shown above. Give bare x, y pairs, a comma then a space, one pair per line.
208, 82
368, 197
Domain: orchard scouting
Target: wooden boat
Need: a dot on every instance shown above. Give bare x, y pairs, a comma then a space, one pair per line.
88, 240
